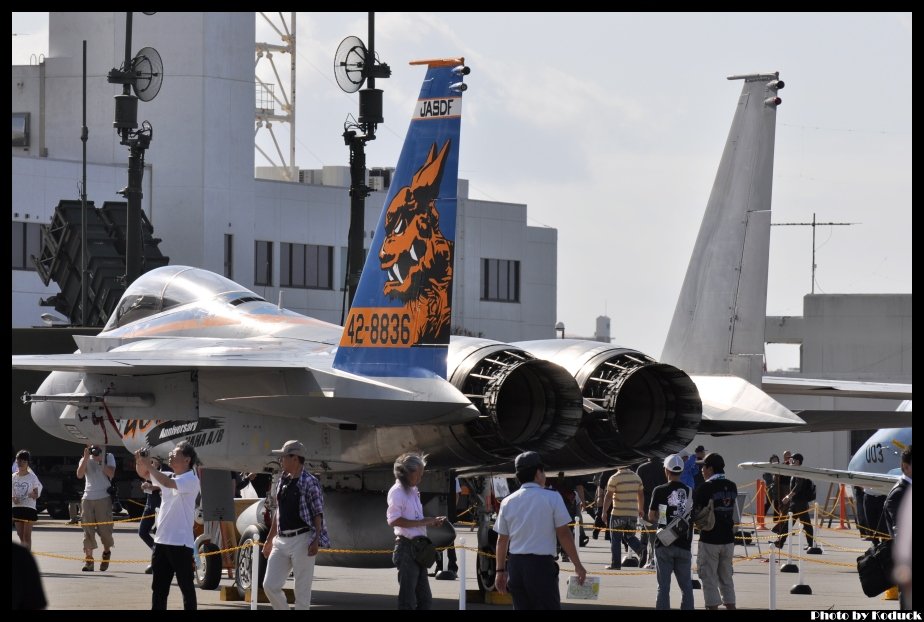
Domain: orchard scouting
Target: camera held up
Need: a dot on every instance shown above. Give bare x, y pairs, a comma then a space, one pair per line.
95, 451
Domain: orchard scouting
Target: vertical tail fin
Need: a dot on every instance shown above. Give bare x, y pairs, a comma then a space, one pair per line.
399, 322
718, 325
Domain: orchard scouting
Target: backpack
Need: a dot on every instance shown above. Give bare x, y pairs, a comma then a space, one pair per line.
704, 517
808, 492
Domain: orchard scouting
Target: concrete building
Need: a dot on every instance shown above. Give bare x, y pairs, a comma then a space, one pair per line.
841, 336
200, 190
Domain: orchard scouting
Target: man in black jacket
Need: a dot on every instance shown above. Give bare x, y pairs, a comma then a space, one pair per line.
652, 475
799, 498
892, 504
717, 546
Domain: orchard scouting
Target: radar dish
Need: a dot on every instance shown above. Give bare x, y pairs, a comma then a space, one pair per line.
350, 64
148, 71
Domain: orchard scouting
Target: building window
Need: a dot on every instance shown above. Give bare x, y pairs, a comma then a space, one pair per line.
263, 263
26, 242
20, 129
500, 280
306, 266
229, 255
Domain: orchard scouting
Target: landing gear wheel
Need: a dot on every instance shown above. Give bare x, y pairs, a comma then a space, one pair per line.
208, 570
486, 574
243, 565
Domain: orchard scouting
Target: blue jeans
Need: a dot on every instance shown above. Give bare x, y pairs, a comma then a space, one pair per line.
677, 561
413, 585
625, 524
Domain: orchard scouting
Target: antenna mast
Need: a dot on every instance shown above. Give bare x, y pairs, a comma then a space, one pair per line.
354, 65
813, 225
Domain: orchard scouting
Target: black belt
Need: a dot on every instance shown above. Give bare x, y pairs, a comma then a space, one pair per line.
294, 532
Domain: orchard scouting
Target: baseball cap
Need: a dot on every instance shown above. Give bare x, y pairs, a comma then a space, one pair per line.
713, 460
291, 447
673, 463
527, 460
699, 448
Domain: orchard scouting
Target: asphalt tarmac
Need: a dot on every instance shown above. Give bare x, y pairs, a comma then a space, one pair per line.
831, 577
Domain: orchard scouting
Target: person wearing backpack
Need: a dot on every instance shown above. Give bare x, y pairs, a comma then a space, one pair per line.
799, 498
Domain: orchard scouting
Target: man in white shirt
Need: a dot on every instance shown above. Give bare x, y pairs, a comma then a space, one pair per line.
174, 541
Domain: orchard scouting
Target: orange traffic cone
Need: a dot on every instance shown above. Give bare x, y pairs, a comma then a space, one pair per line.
759, 500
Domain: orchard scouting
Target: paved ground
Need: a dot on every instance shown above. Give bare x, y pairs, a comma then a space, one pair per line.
831, 576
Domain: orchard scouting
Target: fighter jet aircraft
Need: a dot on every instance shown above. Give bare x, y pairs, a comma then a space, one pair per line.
191, 355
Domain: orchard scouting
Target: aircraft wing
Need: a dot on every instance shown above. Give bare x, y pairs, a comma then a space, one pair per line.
783, 385
881, 483
839, 420
279, 377
165, 355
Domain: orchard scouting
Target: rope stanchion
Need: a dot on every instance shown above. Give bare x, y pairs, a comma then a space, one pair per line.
789, 566
255, 574
800, 587
460, 553
772, 583
814, 549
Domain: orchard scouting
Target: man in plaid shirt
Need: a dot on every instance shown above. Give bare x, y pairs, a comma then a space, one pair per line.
297, 530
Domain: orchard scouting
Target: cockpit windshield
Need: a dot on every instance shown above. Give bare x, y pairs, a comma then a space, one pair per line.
167, 287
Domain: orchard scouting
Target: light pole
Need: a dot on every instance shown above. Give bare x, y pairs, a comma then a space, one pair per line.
560, 329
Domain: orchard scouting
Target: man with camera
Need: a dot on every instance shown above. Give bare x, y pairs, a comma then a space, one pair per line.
174, 542
669, 508
97, 467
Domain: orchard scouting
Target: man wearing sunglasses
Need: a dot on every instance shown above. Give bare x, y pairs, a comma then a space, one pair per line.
297, 530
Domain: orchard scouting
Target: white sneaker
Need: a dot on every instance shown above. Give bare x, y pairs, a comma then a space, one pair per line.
649, 566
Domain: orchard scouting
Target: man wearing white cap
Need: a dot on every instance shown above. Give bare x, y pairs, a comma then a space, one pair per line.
297, 530
667, 502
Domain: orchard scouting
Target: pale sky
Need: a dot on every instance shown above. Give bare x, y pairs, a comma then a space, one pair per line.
610, 128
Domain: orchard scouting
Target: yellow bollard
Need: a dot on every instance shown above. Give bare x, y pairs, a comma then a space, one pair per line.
891, 593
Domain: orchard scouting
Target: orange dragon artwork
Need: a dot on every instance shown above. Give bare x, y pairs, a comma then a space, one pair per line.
415, 255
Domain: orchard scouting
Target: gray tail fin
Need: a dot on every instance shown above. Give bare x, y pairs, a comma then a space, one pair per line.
718, 325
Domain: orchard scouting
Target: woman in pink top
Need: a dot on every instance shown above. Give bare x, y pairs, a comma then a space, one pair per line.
405, 515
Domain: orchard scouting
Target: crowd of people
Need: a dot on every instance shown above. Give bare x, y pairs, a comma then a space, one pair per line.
672, 495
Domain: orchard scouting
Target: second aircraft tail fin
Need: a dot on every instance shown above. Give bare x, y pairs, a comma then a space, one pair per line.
718, 324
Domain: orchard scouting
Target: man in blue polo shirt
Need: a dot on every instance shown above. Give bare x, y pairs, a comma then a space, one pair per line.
528, 524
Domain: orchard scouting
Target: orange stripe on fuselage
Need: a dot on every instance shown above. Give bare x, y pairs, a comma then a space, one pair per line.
191, 324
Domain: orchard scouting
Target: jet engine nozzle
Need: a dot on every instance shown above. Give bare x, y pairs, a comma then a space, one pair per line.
526, 403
